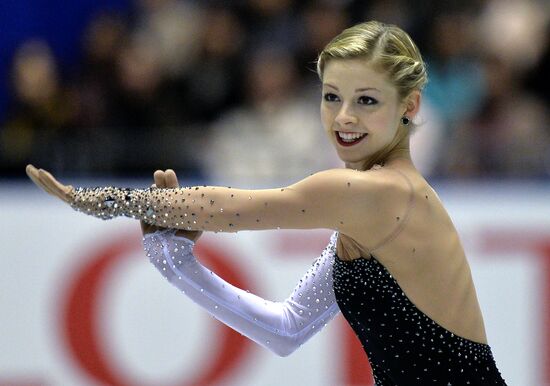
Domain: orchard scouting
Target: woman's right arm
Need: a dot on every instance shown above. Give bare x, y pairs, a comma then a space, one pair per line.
278, 326
339, 199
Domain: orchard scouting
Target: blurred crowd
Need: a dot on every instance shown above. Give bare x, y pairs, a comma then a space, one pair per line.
227, 91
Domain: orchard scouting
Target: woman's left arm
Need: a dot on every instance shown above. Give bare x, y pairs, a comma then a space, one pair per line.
281, 327
337, 199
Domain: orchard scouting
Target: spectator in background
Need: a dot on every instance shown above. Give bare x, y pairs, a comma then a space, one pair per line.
514, 31
139, 76
320, 22
456, 87
509, 136
215, 82
95, 82
126, 94
40, 118
279, 129
175, 27
145, 112
151, 85
207, 89
391, 11
94, 88
534, 76
271, 22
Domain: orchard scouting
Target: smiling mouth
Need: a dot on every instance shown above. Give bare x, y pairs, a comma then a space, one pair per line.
351, 139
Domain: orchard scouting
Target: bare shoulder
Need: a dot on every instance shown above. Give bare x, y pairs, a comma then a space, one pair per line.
350, 180
353, 199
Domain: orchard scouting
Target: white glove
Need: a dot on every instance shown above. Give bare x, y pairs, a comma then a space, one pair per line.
278, 326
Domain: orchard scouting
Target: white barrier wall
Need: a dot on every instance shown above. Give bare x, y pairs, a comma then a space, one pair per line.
81, 305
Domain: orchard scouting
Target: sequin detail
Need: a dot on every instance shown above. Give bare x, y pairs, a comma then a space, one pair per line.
218, 210
404, 345
165, 207
279, 326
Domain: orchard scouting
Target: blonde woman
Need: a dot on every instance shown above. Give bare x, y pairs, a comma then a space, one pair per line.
394, 266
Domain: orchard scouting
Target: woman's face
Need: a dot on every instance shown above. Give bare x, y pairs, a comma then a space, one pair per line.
361, 105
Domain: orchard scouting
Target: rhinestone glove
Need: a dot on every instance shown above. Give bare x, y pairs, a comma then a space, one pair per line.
325, 200
278, 326
210, 208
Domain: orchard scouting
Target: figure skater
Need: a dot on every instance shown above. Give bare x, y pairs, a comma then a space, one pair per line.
394, 265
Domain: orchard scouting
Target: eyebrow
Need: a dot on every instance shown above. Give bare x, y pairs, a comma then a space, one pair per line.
356, 90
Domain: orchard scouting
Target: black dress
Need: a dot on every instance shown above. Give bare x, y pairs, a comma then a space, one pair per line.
404, 346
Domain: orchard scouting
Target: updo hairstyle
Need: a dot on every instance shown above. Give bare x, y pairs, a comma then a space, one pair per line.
387, 47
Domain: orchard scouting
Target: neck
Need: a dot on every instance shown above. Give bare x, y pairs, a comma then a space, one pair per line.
399, 155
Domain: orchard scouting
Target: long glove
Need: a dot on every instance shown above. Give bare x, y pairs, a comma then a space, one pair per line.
336, 199
278, 326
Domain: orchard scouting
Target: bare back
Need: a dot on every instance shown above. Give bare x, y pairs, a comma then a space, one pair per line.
415, 239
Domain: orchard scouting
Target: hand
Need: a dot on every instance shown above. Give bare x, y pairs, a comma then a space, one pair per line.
48, 183
168, 179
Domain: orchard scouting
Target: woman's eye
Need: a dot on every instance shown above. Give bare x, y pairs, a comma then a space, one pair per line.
330, 97
365, 100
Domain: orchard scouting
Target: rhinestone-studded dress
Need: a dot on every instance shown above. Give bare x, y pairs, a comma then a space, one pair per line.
405, 346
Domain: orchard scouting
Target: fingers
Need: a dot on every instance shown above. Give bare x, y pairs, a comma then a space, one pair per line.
53, 185
34, 175
159, 178
29, 170
166, 179
32, 172
48, 183
171, 179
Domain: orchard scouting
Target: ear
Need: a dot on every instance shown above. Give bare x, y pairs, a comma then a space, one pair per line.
412, 104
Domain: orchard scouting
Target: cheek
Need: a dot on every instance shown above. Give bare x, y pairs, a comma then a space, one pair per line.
326, 118
383, 120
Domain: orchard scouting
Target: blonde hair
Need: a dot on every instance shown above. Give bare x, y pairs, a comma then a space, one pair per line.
387, 46
391, 51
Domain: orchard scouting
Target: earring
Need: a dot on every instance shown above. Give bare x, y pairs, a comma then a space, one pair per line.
405, 120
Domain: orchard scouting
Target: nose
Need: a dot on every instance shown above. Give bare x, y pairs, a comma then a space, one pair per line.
346, 116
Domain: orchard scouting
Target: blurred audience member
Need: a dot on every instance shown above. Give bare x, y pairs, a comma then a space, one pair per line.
272, 22
508, 137
139, 80
513, 30
276, 137
534, 77
215, 82
322, 21
40, 118
389, 11
175, 76
95, 83
456, 85
175, 27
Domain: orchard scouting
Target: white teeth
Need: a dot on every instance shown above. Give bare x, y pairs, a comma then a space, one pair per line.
350, 136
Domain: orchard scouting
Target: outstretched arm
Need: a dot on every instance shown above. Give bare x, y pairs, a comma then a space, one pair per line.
278, 326
338, 199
